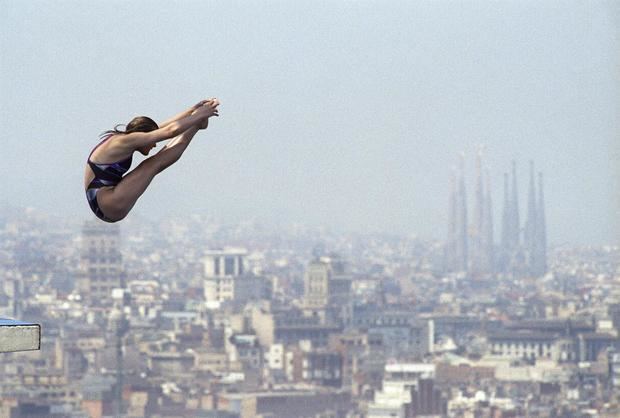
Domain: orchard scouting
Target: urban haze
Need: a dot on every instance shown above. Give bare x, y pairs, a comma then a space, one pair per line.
348, 115
405, 209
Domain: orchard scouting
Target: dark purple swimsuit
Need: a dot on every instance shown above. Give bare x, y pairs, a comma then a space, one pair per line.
105, 175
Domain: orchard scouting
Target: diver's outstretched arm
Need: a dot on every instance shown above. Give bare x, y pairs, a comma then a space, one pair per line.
127, 143
185, 113
185, 138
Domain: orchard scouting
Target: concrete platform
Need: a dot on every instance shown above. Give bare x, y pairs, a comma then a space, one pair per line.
19, 336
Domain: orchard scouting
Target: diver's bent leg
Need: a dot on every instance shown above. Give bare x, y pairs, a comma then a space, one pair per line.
116, 202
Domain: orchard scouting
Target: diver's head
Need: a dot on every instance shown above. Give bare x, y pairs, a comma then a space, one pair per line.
142, 124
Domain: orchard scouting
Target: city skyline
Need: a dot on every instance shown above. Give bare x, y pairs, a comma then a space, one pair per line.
492, 224
191, 318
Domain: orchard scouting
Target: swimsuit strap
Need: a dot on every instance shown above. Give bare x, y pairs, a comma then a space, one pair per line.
107, 174
99, 144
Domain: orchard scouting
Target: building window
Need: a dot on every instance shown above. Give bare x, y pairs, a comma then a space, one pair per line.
229, 266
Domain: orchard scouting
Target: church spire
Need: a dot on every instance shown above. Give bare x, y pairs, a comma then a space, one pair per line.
506, 227
461, 245
530, 237
515, 225
450, 252
478, 234
489, 245
541, 230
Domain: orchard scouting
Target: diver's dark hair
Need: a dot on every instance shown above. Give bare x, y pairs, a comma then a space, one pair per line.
137, 124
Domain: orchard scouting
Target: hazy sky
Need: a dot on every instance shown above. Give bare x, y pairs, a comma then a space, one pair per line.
348, 114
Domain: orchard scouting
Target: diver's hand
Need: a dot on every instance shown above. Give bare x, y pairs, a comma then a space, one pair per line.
209, 107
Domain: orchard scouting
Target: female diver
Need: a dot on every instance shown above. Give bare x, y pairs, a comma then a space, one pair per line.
110, 195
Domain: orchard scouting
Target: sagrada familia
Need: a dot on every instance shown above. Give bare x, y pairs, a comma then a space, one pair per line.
471, 248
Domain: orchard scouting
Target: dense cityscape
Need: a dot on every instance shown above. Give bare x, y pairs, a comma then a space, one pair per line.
192, 317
